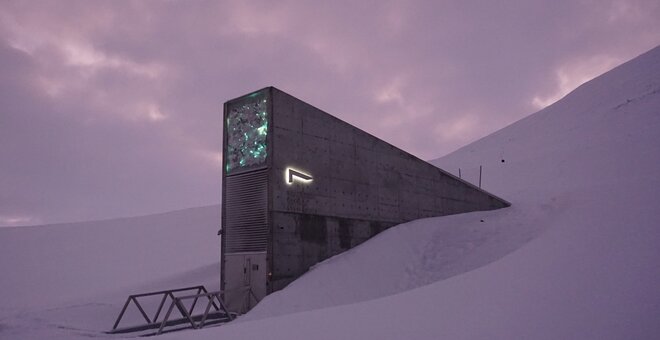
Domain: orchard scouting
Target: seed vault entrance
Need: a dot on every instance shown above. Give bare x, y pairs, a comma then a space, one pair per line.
300, 185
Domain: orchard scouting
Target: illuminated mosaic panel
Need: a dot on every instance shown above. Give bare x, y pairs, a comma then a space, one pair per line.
247, 129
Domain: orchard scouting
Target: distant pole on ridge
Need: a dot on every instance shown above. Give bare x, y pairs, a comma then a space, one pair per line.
479, 176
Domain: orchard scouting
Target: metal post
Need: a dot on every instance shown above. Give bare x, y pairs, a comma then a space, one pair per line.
224, 307
141, 310
192, 307
459, 172
160, 307
121, 314
479, 176
184, 312
206, 312
167, 316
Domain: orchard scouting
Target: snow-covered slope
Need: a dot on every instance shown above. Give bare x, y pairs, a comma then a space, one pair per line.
575, 257
599, 144
581, 239
102, 262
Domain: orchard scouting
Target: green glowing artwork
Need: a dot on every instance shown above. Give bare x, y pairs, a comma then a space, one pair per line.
247, 129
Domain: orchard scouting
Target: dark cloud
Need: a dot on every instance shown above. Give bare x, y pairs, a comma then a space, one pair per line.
113, 108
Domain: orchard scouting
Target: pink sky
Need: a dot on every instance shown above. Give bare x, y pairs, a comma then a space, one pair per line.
114, 108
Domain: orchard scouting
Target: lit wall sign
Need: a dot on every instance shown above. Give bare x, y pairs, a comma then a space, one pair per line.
292, 175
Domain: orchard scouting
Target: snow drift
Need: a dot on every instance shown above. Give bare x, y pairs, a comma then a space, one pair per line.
574, 258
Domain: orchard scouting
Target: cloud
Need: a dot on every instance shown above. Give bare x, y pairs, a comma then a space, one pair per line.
391, 92
572, 75
79, 54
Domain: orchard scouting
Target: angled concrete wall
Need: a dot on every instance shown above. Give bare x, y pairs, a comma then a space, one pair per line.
361, 185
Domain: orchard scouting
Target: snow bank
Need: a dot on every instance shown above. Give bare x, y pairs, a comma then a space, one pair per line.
582, 238
48, 265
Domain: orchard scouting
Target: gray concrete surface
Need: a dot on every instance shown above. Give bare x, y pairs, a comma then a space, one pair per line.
360, 186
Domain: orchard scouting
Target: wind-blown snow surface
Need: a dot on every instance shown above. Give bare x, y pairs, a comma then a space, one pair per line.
577, 256
63, 280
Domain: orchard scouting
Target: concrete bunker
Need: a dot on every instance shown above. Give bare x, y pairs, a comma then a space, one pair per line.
300, 185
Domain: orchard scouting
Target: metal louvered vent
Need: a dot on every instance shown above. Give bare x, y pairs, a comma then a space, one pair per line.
246, 211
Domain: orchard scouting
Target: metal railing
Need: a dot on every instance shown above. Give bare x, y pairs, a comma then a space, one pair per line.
220, 314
